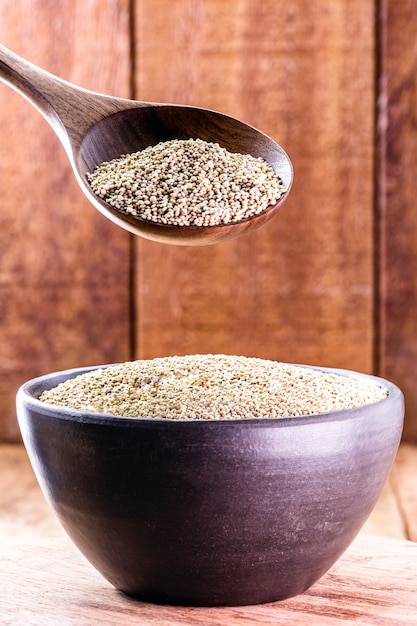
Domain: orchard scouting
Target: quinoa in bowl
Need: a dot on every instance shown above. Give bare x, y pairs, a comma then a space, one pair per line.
206, 508
212, 386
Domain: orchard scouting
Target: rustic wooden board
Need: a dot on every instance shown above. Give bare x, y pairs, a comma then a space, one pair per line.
397, 199
374, 582
65, 273
301, 288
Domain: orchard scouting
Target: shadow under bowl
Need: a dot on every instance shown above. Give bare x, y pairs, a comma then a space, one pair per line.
211, 513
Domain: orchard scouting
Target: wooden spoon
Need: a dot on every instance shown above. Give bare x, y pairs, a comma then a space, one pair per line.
94, 128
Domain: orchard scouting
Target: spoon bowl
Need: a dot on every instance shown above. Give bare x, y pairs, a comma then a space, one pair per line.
94, 128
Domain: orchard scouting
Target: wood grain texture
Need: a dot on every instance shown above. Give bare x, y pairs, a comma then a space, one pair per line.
397, 199
300, 289
64, 275
374, 582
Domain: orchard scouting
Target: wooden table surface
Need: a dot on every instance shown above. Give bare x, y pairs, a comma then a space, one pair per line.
48, 583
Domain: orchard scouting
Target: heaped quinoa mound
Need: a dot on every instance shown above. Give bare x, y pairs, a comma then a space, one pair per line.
187, 182
207, 387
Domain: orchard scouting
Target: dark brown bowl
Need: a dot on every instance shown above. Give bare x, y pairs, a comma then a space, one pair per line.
210, 513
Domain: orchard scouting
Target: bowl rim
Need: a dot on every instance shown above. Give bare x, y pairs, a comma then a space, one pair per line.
27, 395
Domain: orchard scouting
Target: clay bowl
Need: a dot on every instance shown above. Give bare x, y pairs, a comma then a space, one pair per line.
216, 512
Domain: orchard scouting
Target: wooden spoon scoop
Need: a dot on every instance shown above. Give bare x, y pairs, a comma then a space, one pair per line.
94, 128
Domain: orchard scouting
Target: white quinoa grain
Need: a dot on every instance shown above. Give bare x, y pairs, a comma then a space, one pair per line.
187, 182
212, 386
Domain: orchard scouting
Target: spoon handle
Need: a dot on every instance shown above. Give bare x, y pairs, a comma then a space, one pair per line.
69, 109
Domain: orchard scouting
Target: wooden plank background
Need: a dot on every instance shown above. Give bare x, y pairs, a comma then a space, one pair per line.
64, 269
328, 282
397, 189
300, 289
